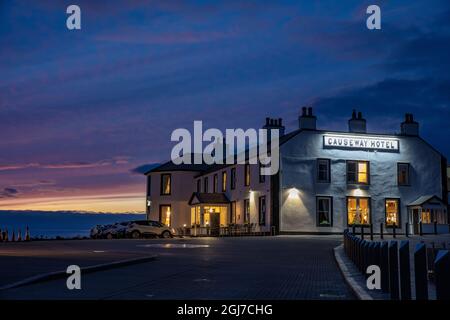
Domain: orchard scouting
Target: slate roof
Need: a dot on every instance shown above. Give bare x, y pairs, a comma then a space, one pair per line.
423, 199
210, 198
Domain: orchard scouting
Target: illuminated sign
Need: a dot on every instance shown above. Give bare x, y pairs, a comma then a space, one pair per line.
361, 142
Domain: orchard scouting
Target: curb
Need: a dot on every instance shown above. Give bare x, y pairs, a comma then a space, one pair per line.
357, 289
90, 269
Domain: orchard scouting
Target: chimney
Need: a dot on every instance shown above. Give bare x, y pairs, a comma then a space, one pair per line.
409, 127
307, 121
357, 123
274, 124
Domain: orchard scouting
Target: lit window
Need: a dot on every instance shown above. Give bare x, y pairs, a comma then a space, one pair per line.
247, 211
215, 183
358, 211
392, 212
403, 174
247, 174
224, 181
426, 216
358, 172
323, 170
324, 208
262, 211
166, 184
165, 214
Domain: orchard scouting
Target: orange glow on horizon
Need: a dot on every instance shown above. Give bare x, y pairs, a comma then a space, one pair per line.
115, 203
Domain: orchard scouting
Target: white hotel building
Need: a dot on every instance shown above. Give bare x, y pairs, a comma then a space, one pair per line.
328, 181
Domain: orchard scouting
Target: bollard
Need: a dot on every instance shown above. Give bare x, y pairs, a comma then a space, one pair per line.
27, 234
19, 235
407, 229
405, 273
393, 271
371, 232
384, 266
420, 272
394, 227
381, 231
13, 237
6, 236
442, 267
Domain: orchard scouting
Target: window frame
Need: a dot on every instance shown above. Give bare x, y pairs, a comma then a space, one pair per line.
369, 201
247, 176
328, 180
205, 185
162, 193
408, 174
357, 172
199, 185
399, 213
260, 213
160, 213
329, 198
215, 183
224, 181
233, 178
246, 214
262, 177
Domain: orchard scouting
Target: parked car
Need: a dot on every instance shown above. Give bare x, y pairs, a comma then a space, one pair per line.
109, 231
142, 228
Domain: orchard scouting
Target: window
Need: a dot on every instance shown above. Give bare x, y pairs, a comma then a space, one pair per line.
233, 212
215, 183
426, 216
358, 172
324, 211
233, 178
199, 185
392, 212
262, 177
262, 211
165, 213
323, 170
149, 185
247, 211
224, 181
247, 175
166, 184
358, 210
403, 174
205, 185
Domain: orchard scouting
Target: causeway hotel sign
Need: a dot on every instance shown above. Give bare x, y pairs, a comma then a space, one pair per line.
360, 142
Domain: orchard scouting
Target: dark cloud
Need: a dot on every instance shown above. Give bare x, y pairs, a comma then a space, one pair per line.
8, 193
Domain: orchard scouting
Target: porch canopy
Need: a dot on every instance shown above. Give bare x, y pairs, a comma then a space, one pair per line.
209, 209
428, 209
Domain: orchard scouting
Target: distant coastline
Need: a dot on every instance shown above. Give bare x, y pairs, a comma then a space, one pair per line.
66, 224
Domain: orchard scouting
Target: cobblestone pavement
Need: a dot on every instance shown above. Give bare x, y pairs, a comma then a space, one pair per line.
284, 267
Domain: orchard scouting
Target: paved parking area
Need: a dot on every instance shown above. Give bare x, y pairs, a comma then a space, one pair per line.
284, 267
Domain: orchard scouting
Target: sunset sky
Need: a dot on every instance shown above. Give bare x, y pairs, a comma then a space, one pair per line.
80, 110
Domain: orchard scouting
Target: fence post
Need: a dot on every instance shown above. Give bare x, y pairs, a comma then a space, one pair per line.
362, 232
420, 272
393, 271
353, 229
407, 229
435, 227
405, 273
381, 231
384, 266
394, 227
371, 232
420, 228
442, 267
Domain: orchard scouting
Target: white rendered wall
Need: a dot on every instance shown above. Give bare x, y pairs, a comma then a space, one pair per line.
298, 169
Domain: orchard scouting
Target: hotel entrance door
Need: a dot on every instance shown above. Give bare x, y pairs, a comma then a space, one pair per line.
415, 220
214, 218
